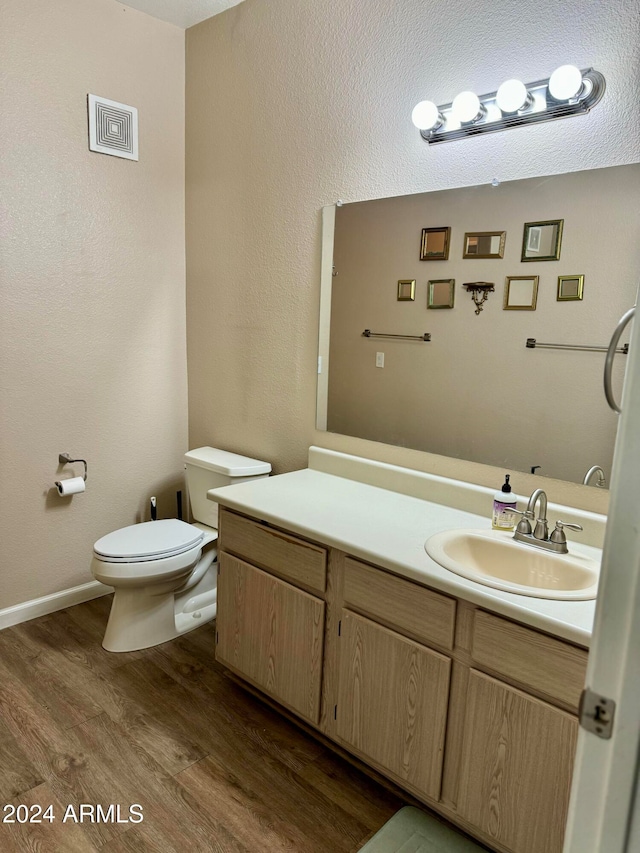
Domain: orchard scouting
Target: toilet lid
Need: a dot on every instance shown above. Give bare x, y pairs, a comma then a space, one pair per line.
149, 540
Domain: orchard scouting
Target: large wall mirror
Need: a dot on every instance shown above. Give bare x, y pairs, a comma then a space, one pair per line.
475, 391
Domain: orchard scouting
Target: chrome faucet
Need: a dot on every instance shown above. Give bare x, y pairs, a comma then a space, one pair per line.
541, 529
601, 481
540, 538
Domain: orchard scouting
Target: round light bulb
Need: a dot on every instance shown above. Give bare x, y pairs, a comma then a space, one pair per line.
466, 106
425, 115
565, 83
511, 96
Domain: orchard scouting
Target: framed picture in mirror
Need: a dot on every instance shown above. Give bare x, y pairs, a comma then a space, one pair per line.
434, 245
484, 244
541, 241
533, 239
440, 293
520, 293
570, 287
407, 290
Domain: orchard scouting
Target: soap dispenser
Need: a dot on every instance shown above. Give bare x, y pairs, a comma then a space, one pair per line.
504, 503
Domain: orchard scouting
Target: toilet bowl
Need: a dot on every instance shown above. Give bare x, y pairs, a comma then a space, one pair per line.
164, 573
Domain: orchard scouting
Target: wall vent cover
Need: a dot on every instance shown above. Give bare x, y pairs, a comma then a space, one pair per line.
113, 128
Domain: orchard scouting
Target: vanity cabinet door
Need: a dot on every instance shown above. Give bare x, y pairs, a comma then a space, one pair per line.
392, 702
516, 766
271, 633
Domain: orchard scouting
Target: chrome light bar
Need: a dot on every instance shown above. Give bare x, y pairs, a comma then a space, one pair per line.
470, 115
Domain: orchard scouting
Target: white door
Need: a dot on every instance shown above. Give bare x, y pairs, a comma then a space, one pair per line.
603, 814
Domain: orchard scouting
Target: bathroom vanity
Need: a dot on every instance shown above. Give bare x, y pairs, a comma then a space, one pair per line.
464, 695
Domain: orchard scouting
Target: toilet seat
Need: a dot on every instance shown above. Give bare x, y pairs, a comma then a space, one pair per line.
148, 541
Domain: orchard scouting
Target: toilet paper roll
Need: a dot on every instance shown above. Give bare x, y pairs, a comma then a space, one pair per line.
73, 486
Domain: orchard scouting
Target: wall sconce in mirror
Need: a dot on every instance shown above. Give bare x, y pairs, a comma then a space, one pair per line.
520, 293
541, 241
484, 244
570, 287
568, 92
434, 245
479, 291
440, 293
407, 290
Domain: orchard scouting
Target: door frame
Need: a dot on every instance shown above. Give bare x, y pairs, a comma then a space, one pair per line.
603, 797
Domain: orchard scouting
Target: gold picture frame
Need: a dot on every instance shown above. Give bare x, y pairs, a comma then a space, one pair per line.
484, 244
542, 241
570, 288
520, 293
434, 244
407, 290
441, 293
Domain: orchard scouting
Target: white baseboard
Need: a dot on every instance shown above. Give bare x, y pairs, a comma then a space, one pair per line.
50, 603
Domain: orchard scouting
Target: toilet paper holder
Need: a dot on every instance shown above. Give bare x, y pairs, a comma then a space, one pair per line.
65, 459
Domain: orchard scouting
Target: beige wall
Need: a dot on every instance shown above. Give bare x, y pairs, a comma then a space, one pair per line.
475, 391
291, 106
92, 325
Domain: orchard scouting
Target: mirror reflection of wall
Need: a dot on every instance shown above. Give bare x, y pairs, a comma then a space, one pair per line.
476, 392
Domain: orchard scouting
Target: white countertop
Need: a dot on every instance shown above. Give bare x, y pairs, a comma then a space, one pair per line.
389, 530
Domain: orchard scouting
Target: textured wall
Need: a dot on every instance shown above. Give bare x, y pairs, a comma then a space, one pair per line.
291, 106
92, 325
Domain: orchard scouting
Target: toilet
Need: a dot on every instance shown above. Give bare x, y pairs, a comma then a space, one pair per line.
164, 573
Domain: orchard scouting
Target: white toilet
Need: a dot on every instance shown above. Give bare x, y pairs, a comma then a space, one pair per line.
164, 572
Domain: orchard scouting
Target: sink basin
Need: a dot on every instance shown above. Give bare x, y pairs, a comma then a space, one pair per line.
493, 558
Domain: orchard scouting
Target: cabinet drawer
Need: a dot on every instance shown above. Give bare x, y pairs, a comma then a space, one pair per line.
534, 660
286, 556
408, 607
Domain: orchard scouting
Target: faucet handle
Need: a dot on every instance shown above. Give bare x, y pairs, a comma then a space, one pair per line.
524, 525
558, 534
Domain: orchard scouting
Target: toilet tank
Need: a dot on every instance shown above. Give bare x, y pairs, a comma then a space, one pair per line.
209, 468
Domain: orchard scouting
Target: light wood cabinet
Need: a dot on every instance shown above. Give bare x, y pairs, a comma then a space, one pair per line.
392, 702
538, 662
288, 557
516, 764
470, 712
407, 607
271, 633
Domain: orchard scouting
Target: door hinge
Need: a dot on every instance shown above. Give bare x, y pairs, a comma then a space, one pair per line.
596, 713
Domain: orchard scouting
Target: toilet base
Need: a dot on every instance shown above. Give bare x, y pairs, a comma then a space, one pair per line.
188, 621
144, 617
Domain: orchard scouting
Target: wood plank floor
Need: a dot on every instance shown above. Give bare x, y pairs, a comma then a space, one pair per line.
213, 768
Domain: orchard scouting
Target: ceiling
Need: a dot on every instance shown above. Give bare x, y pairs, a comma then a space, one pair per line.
183, 13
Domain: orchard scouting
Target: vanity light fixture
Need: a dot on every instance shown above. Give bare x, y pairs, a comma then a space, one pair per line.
466, 108
426, 116
512, 96
565, 84
568, 92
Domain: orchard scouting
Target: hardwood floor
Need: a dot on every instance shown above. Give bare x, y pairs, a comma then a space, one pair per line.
213, 768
